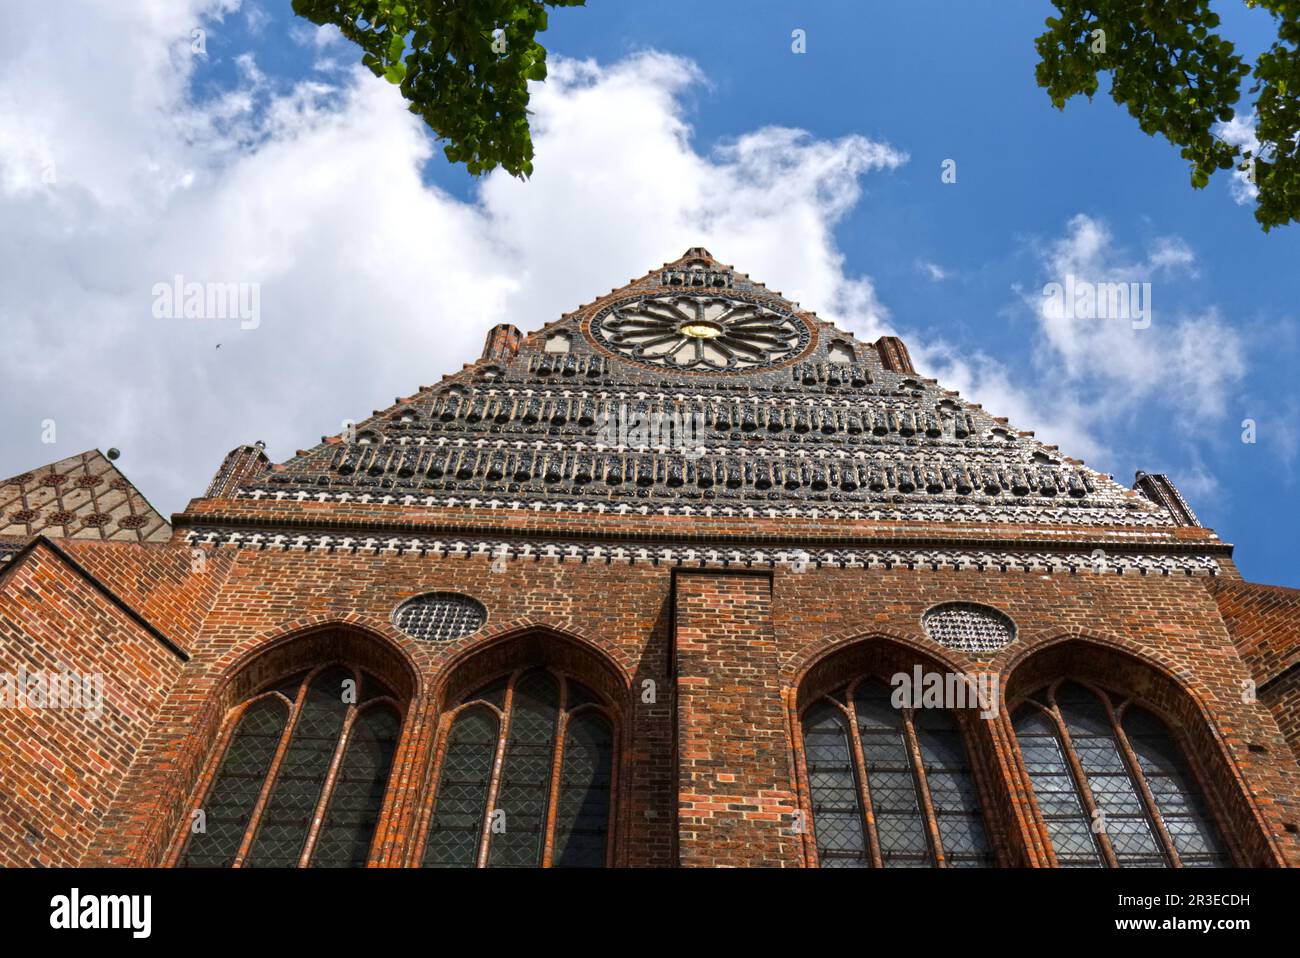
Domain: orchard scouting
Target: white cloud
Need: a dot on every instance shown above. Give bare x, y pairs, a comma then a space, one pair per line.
933, 270
1198, 485
1179, 353
1241, 131
318, 37
256, 18
1091, 377
372, 282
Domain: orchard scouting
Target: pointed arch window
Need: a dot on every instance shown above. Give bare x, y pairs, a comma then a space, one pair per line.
526, 777
1111, 783
890, 787
315, 748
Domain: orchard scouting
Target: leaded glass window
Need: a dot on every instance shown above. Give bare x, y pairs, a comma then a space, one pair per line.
456, 830
359, 789
272, 784
1112, 786
890, 787
548, 804
234, 792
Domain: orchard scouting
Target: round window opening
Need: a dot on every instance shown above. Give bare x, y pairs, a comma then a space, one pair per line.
968, 627
440, 616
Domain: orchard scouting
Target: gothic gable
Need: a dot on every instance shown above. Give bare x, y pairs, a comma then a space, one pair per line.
692, 388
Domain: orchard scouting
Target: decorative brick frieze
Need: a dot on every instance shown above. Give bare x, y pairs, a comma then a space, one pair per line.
504, 550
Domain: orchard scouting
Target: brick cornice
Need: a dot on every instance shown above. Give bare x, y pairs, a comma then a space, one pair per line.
763, 532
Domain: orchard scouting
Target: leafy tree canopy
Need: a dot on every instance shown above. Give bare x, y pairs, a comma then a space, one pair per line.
464, 66
1179, 79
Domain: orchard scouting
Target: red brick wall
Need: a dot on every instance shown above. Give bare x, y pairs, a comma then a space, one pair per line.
168, 585
1282, 697
723, 731
617, 636
736, 803
1264, 622
60, 768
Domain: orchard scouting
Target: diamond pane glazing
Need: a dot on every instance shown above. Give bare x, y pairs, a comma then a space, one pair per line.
301, 777
582, 818
358, 792
463, 791
234, 793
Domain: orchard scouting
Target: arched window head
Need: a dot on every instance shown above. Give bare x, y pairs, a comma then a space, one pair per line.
525, 777
840, 353
1112, 785
558, 343
273, 801
890, 787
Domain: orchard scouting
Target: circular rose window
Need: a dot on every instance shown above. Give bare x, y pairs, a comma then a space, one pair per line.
699, 332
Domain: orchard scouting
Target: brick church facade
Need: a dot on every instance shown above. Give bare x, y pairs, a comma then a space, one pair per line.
641, 588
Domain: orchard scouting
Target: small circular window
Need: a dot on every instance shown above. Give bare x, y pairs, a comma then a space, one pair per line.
968, 627
440, 616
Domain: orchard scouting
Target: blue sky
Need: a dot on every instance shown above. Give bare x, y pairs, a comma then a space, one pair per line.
664, 124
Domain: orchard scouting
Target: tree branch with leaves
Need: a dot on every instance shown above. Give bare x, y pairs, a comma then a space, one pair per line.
1179, 79
463, 66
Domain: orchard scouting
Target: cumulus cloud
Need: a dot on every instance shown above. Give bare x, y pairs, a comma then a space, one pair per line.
1090, 376
1154, 351
114, 178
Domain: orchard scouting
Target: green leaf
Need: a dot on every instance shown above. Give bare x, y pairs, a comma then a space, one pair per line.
1178, 78
473, 98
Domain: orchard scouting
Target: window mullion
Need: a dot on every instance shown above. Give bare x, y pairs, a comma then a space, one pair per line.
864, 787
557, 764
1084, 789
1135, 770
923, 789
327, 787
507, 713
264, 796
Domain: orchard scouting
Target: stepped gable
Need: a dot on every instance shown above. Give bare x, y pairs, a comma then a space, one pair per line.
778, 410
81, 497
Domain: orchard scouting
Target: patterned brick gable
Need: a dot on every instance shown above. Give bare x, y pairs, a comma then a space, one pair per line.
81, 497
696, 391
